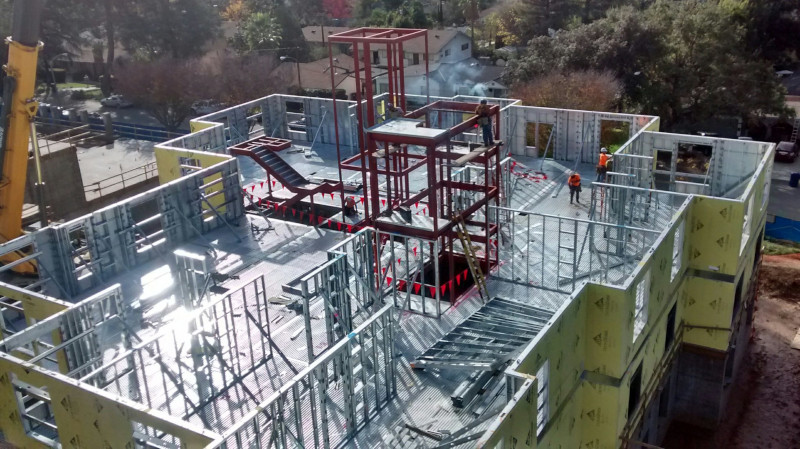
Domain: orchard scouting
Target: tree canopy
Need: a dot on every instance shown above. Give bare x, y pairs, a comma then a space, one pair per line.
680, 60
173, 28
392, 13
267, 25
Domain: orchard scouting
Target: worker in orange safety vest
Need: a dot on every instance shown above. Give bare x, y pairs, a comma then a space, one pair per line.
350, 206
602, 165
574, 183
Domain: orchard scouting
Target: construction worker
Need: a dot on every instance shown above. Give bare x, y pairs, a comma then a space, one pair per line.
350, 206
485, 122
574, 183
602, 164
393, 111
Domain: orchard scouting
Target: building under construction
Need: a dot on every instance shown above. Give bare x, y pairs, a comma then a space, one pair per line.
320, 273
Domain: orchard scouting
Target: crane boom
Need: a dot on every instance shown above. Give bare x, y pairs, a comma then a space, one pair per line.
19, 108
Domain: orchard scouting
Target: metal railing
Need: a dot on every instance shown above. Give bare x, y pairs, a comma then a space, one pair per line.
122, 180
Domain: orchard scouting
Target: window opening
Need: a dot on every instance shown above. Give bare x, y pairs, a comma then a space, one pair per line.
636, 390
747, 223
670, 332
614, 134
189, 165
542, 396
36, 411
642, 298
677, 249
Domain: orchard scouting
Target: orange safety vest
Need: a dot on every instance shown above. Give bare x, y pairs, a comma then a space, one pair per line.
575, 180
349, 202
603, 159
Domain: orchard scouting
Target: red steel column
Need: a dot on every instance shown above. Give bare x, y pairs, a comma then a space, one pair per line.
335, 125
360, 129
402, 77
390, 73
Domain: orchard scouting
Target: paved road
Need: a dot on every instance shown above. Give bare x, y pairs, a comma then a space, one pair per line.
784, 201
134, 115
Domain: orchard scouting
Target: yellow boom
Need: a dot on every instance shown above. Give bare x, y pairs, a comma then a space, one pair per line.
18, 111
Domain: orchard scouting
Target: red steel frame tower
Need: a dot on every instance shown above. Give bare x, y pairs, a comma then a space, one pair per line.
389, 140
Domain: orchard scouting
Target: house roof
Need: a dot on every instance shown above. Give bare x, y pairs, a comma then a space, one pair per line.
316, 75
320, 33
792, 83
437, 39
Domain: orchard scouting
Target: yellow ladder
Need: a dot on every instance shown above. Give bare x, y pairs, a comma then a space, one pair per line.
472, 260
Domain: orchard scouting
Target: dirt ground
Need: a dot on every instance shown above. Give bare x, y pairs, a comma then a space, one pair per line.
764, 410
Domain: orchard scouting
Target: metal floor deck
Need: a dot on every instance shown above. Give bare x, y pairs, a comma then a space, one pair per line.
289, 250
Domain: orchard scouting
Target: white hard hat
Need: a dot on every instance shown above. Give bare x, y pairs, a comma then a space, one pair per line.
604, 150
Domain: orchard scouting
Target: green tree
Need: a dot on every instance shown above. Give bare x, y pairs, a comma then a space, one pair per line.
167, 28
259, 31
166, 88
270, 26
772, 27
680, 60
410, 14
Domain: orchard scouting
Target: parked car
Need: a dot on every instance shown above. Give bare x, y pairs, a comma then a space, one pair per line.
787, 151
204, 107
116, 101
298, 125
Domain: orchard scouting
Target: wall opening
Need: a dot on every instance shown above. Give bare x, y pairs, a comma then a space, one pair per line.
81, 255
693, 162
540, 140
670, 331
746, 224
542, 397
36, 411
614, 134
635, 392
189, 165
662, 176
295, 116
148, 230
677, 249
642, 298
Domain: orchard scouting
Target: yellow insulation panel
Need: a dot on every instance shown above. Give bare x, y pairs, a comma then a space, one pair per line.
37, 307
85, 418
173, 163
714, 234
707, 307
516, 425
609, 317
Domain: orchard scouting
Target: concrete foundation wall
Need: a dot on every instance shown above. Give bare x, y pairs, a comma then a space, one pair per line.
61, 174
701, 375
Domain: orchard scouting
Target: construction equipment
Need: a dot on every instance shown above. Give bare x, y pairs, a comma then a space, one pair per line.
19, 108
469, 254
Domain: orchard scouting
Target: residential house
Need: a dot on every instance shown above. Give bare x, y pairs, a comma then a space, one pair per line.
317, 74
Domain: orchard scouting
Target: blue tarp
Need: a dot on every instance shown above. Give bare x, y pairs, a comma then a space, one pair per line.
783, 229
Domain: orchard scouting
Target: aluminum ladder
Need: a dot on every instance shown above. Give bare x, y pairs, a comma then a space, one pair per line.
793, 138
472, 260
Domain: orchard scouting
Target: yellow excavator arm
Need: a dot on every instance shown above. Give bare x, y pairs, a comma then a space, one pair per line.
19, 107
